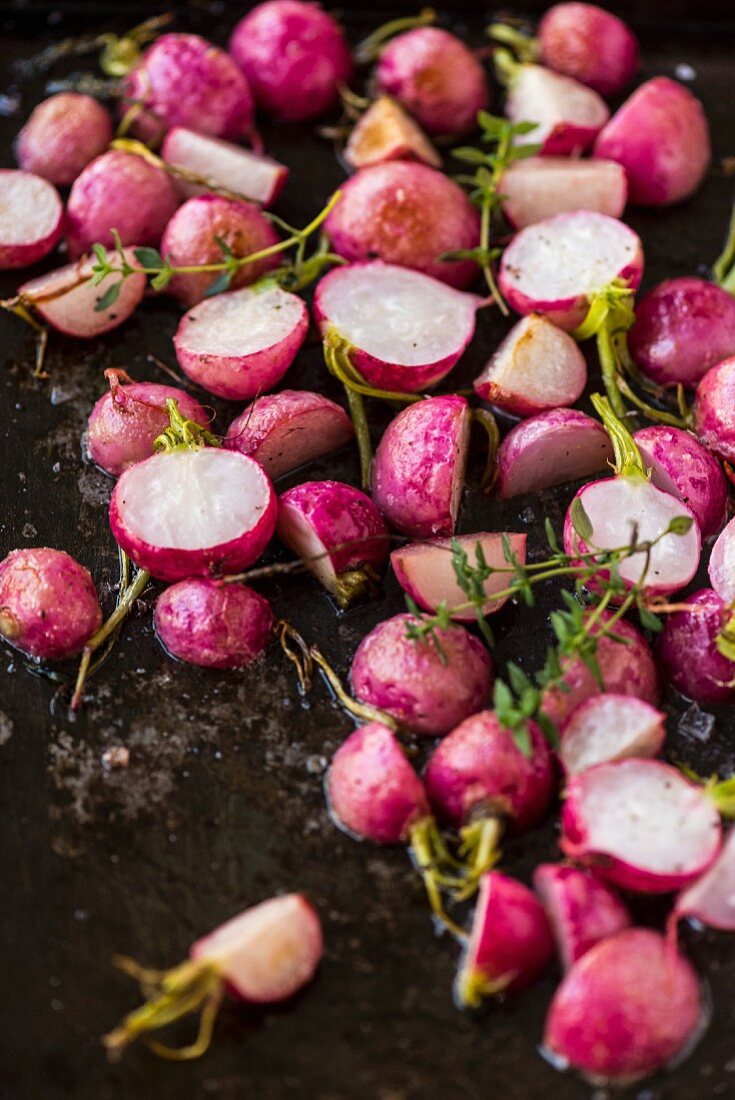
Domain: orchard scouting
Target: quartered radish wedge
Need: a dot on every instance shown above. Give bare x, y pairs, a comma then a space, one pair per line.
611, 727
581, 908
387, 132
541, 187
255, 177
550, 449
711, 899
31, 218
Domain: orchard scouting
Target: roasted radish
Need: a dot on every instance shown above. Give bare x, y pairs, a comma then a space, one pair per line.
590, 44
206, 622
550, 449
62, 135
714, 421
581, 908
722, 564
688, 650
681, 466
541, 187
711, 899
387, 132
610, 727
229, 166
31, 218
568, 115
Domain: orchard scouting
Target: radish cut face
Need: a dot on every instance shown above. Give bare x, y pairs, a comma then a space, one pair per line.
31, 218
542, 187
568, 115
387, 132
641, 823
66, 299
581, 908
239, 170
611, 727
711, 899
550, 449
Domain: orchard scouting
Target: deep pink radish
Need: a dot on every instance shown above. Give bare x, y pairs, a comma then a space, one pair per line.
294, 56
119, 191
553, 266
125, 422
714, 409
711, 899
191, 236
550, 449
31, 218
251, 175
436, 77
629, 1007
568, 115
387, 132
611, 727
661, 137
338, 533
681, 466
405, 330
48, 603
536, 368
418, 470
428, 690
683, 327
184, 80
687, 650
510, 943
641, 824
62, 135
722, 564
187, 513
241, 343
389, 212
590, 44
425, 572
541, 187
581, 908
206, 622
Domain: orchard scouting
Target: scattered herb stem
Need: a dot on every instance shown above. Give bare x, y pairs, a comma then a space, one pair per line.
370, 48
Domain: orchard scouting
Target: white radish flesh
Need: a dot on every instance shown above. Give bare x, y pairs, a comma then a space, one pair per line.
251, 175
711, 899
541, 187
611, 727
31, 218
722, 564
387, 132
550, 449
568, 115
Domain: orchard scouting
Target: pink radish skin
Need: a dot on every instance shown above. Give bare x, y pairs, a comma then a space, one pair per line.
590, 44
267, 953
184, 80
568, 115
541, 187
611, 727
241, 343
285, 430
48, 603
641, 824
553, 267
410, 680
688, 653
436, 77
714, 409
478, 770
63, 134
681, 466
251, 175
711, 899
629, 1007
722, 564
683, 327
406, 330
125, 422
372, 790
418, 470
215, 625
388, 212
294, 56
193, 512
424, 571
31, 218
660, 135
387, 132
536, 368
550, 449
581, 908
190, 238
510, 943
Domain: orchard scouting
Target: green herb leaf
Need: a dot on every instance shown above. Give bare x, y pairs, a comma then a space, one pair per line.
221, 283
148, 257
580, 520
680, 525
109, 297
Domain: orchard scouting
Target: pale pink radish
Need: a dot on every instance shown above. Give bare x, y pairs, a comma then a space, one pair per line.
425, 572
536, 368
610, 727
555, 265
722, 564
62, 135
285, 430
582, 909
714, 409
681, 466
568, 115
406, 330
541, 187
550, 449
428, 689
711, 899
206, 622
31, 218
630, 1006
590, 44
241, 343
387, 132
418, 470
641, 824
250, 175
660, 135
688, 650
338, 533
48, 603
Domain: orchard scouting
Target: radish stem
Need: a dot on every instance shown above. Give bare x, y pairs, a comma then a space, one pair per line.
427, 849
370, 48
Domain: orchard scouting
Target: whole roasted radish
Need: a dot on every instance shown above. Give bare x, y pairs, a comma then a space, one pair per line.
62, 135
550, 449
542, 187
387, 132
681, 466
581, 908
610, 727
689, 653
206, 622
714, 420
31, 218
590, 44
250, 175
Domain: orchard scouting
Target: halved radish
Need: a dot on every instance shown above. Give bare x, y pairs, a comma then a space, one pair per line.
568, 115
540, 187
387, 132
242, 342
31, 218
406, 329
252, 175
722, 564
611, 727
537, 367
550, 449
285, 430
581, 908
185, 513
553, 266
711, 899
424, 570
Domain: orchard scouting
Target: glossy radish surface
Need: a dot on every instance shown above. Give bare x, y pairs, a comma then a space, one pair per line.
550, 449
681, 466
688, 653
590, 44
62, 135
541, 187
568, 115
582, 909
216, 625
387, 132
714, 409
255, 177
31, 218
711, 899
611, 727
722, 564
